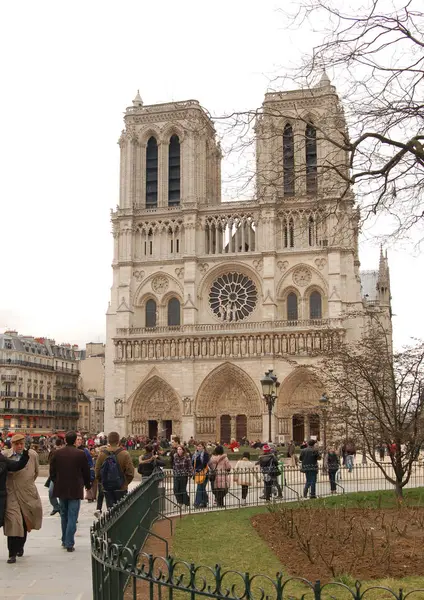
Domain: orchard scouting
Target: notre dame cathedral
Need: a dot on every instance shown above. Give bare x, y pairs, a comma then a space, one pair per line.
207, 295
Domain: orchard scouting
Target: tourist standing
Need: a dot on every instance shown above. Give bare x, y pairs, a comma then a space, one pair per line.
114, 470
219, 468
268, 464
181, 465
200, 460
24, 511
70, 473
309, 458
350, 453
333, 465
245, 475
149, 462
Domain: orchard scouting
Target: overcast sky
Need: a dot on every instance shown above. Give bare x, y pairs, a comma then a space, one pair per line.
68, 71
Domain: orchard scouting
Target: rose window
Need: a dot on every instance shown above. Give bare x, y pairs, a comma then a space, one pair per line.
233, 297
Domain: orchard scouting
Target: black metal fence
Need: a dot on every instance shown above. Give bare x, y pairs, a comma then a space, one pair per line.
123, 571
288, 485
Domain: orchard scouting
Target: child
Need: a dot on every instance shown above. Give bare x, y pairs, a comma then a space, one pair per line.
245, 474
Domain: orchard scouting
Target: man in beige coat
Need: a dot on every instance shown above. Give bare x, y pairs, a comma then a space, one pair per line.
24, 511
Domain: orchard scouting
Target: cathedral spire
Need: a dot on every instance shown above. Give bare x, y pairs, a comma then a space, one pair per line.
137, 100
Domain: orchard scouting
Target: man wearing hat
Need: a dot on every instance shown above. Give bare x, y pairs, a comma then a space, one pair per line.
23, 508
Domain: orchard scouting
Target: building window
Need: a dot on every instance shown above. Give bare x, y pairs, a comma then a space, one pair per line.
150, 313
288, 160
312, 232
292, 313
174, 313
289, 233
315, 306
152, 173
174, 171
311, 159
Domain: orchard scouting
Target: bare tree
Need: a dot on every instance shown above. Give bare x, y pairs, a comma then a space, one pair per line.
375, 137
379, 56
380, 394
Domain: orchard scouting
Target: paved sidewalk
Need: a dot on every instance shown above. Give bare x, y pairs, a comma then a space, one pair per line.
46, 570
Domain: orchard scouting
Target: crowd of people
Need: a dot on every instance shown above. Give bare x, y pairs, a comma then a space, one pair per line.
100, 468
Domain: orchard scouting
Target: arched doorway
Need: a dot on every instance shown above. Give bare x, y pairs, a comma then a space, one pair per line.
155, 410
298, 405
241, 427
298, 425
228, 391
225, 435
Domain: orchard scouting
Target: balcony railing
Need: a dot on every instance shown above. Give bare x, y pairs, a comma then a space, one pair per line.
38, 413
26, 363
230, 326
7, 394
9, 377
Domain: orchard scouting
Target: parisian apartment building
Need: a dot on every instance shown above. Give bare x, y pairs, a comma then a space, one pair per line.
38, 385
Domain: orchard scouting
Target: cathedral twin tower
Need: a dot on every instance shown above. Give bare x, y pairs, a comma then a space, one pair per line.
207, 295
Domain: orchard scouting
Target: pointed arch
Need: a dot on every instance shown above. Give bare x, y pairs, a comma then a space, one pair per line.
311, 158
174, 171
299, 392
227, 390
155, 400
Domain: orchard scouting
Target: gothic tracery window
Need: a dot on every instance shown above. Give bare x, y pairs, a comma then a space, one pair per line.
311, 159
232, 297
174, 312
150, 313
315, 306
174, 171
292, 311
152, 173
288, 160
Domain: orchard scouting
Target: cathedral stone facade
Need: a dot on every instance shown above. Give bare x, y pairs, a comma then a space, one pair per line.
207, 295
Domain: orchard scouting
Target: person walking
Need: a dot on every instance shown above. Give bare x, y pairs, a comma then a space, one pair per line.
24, 511
181, 466
350, 453
70, 473
309, 458
333, 465
114, 470
245, 475
200, 460
219, 469
11, 466
52, 499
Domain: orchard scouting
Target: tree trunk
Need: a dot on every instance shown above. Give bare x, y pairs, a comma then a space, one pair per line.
399, 490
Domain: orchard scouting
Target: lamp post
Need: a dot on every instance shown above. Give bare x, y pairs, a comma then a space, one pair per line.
324, 401
270, 385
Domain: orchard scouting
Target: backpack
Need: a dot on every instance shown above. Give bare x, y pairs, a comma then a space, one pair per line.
111, 474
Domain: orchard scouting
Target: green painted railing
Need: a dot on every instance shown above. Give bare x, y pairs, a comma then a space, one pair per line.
123, 571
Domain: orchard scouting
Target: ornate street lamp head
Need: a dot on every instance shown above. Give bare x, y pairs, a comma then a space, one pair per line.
267, 383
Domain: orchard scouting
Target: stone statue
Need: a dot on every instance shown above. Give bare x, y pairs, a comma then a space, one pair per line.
173, 349
267, 345
227, 347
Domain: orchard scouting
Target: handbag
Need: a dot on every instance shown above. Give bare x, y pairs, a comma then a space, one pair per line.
200, 476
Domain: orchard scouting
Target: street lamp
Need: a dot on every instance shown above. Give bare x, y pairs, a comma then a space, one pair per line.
270, 385
324, 401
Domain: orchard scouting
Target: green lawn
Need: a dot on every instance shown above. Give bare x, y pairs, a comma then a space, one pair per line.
228, 539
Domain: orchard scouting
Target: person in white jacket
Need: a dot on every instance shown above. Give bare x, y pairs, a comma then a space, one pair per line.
245, 474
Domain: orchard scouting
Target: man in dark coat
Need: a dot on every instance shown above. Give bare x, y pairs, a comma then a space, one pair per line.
6, 465
309, 458
70, 473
